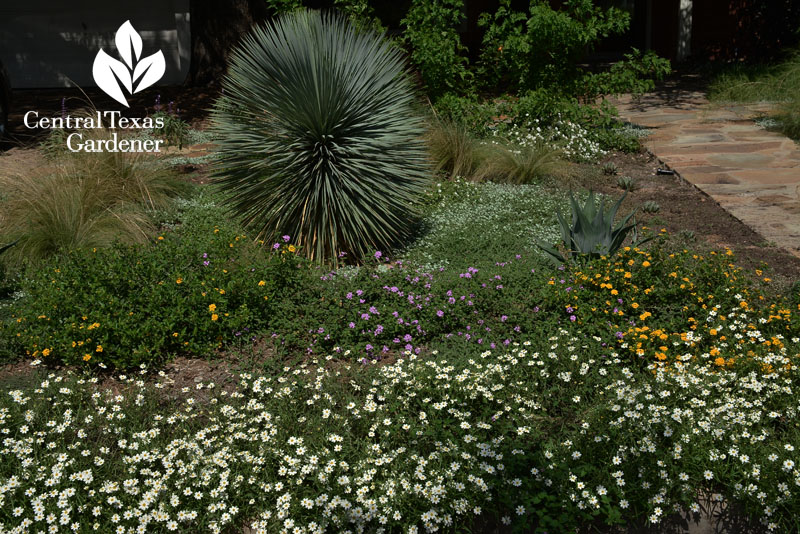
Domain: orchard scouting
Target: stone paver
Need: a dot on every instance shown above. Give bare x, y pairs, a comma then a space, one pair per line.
751, 172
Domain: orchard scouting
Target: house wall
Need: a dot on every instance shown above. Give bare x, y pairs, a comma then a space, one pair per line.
52, 43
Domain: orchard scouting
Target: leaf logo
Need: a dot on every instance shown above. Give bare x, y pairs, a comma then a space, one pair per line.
135, 74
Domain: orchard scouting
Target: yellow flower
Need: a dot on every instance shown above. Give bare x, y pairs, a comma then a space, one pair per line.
719, 361
99, 348
179, 281
46, 352
635, 305
713, 331
614, 292
214, 316
212, 307
87, 357
161, 238
292, 248
174, 334
645, 263
262, 283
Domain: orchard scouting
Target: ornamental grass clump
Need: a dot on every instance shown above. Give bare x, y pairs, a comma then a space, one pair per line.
84, 200
318, 138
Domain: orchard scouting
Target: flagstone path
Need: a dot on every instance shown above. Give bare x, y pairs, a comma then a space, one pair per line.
751, 172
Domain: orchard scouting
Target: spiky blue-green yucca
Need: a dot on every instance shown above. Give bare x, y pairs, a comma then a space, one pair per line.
318, 137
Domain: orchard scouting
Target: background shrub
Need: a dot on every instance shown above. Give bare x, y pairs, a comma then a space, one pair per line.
318, 139
435, 46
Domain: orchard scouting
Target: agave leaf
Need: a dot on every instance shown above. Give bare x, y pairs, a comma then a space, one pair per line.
552, 252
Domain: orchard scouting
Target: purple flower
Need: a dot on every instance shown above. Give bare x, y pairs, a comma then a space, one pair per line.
369, 347
365, 316
619, 335
503, 318
378, 255
439, 313
572, 318
352, 325
206, 263
348, 296
286, 238
276, 246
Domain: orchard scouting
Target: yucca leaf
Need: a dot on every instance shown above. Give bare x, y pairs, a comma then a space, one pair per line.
318, 138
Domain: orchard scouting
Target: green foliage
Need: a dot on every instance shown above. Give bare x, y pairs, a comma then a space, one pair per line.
505, 49
651, 206
544, 48
175, 130
609, 168
592, 233
361, 14
55, 143
435, 47
788, 117
467, 110
600, 121
281, 7
636, 75
7, 285
318, 138
778, 83
627, 183
188, 292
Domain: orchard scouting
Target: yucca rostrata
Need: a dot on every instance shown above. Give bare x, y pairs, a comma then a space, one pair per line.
318, 136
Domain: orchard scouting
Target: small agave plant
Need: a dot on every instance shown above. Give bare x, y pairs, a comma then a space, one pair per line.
592, 233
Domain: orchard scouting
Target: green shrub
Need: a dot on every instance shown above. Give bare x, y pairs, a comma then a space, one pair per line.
435, 47
187, 292
601, 121
467, 110
318, 139
361, 14
175, 130
544, 49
